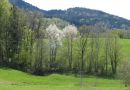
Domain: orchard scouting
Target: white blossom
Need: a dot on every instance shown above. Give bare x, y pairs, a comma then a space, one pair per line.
70, 31
55, 35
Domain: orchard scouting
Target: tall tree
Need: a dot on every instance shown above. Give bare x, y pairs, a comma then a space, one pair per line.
114, 53
4, 19
14, 34
70, 33
82, 45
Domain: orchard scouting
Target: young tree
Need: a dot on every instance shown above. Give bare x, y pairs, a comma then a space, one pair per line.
26, 55
82, 45
39, 43
92, 50
114, 53
39, 57
70, 33
97, 33
106, 29
106, 51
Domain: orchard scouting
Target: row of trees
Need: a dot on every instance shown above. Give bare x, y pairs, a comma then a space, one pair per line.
28, 44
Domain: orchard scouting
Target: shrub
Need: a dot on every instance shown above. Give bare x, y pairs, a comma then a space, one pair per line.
124, 72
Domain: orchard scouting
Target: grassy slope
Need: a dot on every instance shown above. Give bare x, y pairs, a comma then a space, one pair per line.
125, 48
16, 80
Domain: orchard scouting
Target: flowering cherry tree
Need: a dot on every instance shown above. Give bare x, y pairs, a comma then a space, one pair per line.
70, 31
55, 40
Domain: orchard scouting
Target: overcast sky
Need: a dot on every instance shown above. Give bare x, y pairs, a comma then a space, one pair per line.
116, 7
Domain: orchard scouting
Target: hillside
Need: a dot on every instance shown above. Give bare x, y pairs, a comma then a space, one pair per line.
16, 80
83, 16
25, 5
79, 16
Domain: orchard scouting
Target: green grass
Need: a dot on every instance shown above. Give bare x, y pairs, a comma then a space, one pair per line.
16, 80
125, 48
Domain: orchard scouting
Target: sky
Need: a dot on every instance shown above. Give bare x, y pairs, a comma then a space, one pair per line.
115, 7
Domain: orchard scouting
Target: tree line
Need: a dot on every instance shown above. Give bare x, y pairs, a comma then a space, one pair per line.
30, 44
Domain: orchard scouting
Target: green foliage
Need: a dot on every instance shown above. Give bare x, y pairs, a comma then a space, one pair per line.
14, 36
124, 34
124, 72
26, 49
4, 22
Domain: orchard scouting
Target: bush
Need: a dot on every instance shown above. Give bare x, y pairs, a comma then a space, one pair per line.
124, 73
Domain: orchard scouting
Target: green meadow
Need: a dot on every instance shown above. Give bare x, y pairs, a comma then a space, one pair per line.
17, 80
125, 48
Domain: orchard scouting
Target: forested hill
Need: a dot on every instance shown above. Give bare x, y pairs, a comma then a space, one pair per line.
79, 16
24, 5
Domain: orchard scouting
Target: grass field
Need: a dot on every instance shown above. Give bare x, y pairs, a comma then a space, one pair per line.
17, 80
125, 48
